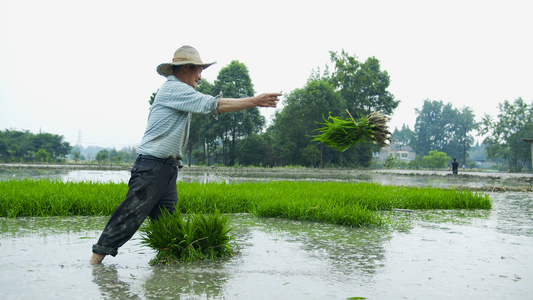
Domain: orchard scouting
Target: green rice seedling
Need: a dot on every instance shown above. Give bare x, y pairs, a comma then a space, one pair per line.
55, 198
342, 134
346, 203
199, 237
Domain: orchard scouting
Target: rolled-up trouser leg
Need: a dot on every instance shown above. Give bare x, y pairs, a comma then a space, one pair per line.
151, 182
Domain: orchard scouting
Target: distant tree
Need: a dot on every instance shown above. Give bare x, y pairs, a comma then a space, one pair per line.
477, 152
417, 163
363, 85
42, 155
293, 128
310, 156
436, 159
392, 162
128, 154
252, 150
201, 133
22, 145
444, 128
234, 81
102, 156
504, 135
76, 155
404, 136
471, 164
3, 145
53, 144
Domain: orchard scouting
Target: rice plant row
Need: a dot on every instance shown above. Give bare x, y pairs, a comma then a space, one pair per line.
351, 204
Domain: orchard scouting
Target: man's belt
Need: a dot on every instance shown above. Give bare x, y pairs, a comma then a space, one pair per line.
170, 161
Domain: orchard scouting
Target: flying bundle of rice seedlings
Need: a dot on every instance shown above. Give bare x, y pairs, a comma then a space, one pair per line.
342, 134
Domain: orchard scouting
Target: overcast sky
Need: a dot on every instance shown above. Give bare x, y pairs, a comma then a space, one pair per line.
86, 69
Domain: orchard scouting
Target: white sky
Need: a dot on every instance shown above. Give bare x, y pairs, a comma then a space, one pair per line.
89, 66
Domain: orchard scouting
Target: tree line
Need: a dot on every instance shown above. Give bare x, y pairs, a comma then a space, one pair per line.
450, 130
360, 87
242, 138
103, 155
24, 146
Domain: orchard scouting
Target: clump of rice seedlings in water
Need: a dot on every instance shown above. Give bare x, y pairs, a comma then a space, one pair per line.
342, 134
196, 238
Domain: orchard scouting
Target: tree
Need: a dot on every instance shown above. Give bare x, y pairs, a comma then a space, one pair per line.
444, 128
234, 81
362, 85
504, 135
42, 155
202, 133
22, 145
477, 152
303, 109
392, 162
102, 156
310, 156
76, 155
252, 150
404, 137
466, 123
436, 160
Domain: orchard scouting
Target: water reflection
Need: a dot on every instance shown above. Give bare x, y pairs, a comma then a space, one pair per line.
203, 279
111, 287
229, 175
514, 213
275, 256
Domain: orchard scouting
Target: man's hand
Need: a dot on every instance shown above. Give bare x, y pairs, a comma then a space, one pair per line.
268, 99
226, 105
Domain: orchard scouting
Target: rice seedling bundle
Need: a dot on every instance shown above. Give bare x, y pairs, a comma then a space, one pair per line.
342, 134
196, 238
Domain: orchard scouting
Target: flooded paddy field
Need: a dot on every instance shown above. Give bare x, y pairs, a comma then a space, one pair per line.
430, 254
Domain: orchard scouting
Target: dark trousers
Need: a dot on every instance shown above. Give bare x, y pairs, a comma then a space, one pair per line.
152, 187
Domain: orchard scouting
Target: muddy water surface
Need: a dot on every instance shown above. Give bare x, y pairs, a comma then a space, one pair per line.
479, 254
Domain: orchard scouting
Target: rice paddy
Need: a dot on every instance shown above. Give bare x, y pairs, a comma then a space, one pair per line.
344, 203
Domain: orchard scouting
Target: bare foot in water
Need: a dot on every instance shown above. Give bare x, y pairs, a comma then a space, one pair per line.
96, 259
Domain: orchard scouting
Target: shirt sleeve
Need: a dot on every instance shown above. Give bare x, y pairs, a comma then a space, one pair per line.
182, 97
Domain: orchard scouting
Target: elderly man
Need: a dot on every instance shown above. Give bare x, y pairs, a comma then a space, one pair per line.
152, 186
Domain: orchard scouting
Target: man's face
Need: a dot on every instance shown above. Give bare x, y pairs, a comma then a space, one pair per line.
193, 75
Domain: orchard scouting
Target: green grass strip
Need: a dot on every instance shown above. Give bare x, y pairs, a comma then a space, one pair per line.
351, 204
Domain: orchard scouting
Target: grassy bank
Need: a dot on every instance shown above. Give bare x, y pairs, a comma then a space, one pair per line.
352, 204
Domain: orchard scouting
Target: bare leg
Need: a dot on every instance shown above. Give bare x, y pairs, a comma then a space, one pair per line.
96, 258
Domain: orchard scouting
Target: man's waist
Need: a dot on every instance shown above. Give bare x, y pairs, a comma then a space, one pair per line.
170, 161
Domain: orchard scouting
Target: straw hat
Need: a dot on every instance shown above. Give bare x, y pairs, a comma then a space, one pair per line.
183, 56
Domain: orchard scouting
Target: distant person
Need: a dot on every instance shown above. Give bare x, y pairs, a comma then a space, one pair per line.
455, 167
152, 185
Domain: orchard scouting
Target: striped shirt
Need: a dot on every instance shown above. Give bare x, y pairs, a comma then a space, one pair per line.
169, 119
